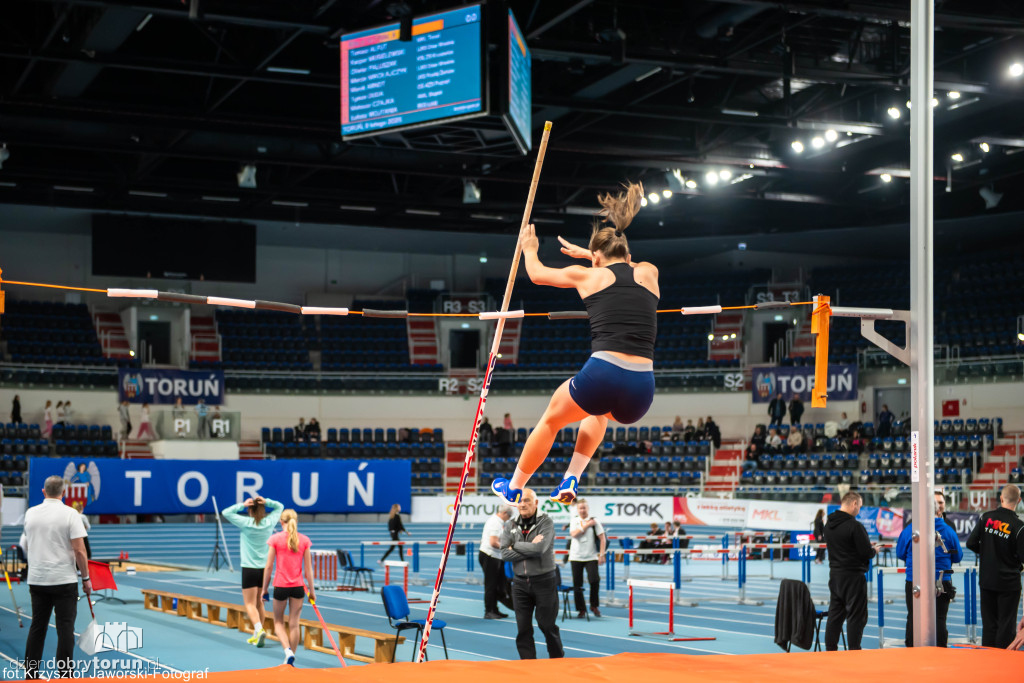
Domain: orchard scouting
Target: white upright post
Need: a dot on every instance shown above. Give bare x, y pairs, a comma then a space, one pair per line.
922, 76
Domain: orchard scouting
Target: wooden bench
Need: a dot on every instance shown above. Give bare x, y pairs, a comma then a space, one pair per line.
235, 616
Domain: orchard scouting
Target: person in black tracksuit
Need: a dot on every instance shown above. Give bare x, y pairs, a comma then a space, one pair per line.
998, 538
849, 552
395, 527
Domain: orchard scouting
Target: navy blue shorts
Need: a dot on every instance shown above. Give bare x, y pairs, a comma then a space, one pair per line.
607, 384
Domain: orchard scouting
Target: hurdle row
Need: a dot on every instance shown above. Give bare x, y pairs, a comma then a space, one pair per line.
970, 597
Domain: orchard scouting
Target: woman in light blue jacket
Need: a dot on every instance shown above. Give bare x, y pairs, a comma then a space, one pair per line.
256, 528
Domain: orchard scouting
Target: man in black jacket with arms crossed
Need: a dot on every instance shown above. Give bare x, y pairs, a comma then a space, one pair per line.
849, 552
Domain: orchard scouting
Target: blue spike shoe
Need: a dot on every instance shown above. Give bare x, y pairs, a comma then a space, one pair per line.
501, 488
566, 491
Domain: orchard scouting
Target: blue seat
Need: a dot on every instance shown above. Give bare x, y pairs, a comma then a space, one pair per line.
396, 607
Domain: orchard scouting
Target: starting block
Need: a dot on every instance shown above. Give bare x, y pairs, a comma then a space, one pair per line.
670, 634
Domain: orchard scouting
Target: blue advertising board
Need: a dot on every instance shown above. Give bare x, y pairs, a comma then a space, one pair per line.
882, 521
121, 487
768, 381
164, 387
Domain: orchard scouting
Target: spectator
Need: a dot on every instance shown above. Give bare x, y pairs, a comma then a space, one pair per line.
589, 544
47, 420
796, 409
486, 432
126, 419
16, 410
774, 441
300, 429
713, 434
313, 430
777, 410
947, 551
698, 432
395, 529
180, 424
145, 426
201, 412
52, 540
507, 424
528, 543
819, 535
885, 419
688, 431
680, 533
495, 583
677, 426
77, 505
844, 424
758, 437
998, 538
795, 440
752, 457
59, 413
849, 551
856, 442
69, 414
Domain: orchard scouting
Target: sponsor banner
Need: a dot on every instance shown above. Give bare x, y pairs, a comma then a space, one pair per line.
710, 512
109, 486
884, 521
609, 509
962, 522
773, 515
164, 387
769, 380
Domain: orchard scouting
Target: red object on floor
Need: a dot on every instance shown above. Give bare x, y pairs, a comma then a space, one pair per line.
897, 664
951, 408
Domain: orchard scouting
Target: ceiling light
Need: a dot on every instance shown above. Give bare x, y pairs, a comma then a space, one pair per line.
742, 246
285, 70
725, 337
1020, 336
247, 177
991, 197
131, 352
643, 201
654, 198
778, 317
1016, 69
732, 336
711, 178
711, 337
350, 207
831, 135
797, 146
886, 178
953, 94
692, 184
725, 174
483, 258
894, 112
817, 142
72, 188
144, 193
4, 155
422, 212
740, 112
470, 192
958, 157
283, 202
984, 147
667, 194
212, 198
935, 101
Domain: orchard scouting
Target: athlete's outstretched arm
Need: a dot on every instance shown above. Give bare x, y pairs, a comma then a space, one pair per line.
540, 274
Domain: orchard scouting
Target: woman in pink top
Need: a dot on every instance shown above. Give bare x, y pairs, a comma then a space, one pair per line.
289, 550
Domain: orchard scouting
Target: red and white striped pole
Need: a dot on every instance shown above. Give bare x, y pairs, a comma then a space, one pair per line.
495, 345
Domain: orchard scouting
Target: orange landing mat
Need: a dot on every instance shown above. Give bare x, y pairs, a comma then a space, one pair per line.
899, 665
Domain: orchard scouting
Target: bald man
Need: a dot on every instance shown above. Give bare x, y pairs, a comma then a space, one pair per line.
528, 543
998, 539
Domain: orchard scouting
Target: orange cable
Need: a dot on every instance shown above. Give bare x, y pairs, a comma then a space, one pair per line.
41, 284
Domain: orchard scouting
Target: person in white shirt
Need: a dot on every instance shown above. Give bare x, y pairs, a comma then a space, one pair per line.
495, 582
53, 541
586, 553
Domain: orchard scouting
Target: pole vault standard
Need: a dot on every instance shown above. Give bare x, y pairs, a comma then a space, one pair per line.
500, 316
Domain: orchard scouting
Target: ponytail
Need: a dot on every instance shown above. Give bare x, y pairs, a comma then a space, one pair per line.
618, 210
291, 527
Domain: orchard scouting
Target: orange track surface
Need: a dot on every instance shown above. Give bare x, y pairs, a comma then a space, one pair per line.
900, 665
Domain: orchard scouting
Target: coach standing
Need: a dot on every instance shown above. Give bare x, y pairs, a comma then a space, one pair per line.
589, 544
849, 552
53, 540
492, 564
998, 538
528, 543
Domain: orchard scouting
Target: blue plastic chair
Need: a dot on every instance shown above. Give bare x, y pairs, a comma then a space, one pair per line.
396, 606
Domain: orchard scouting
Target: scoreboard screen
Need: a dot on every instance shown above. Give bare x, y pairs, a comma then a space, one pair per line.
519, 99
388, 84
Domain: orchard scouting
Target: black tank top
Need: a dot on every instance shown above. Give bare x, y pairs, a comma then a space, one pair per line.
623, 316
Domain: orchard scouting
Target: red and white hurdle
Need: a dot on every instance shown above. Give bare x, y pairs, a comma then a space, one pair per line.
325, 570
670, 634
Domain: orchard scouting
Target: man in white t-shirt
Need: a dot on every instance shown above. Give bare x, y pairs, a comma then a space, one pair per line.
495, 582
589, 544
53, 541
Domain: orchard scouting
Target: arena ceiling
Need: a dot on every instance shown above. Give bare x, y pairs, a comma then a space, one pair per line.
153, 106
